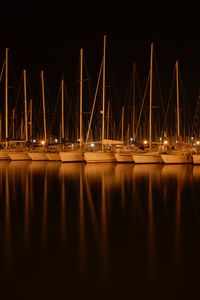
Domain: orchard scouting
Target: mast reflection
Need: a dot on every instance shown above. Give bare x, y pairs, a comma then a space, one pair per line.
82, 246
177, 177
26, 213
44, 215
151, 232
8, 253
63, 210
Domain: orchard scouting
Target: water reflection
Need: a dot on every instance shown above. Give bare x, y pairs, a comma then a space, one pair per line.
8, 248
117, 224
44, 214
151, 232
82, 246
63, 210
26, 212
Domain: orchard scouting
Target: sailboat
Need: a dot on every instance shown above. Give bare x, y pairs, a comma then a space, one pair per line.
123, 153
149, 156
22, 153
181, 154
40, 154
77, 155
104, 154
53, 152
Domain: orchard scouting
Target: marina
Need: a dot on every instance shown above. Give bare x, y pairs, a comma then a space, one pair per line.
99, 153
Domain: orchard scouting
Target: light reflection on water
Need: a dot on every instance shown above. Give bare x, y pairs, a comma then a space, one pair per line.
97, 226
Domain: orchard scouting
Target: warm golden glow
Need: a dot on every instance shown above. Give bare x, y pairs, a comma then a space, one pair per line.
145, 142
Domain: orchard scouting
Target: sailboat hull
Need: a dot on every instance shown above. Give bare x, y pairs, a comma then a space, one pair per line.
99, 156
124, 157
72, 156
20, 155
147, 158
176, 158
53, 156
4, 155
38, 156
196, 159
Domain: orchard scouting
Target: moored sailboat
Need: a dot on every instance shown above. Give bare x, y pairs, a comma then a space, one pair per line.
76, 155
39, 154
150, 155
181, 154
106, 153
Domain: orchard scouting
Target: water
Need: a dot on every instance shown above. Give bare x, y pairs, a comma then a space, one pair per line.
99, 231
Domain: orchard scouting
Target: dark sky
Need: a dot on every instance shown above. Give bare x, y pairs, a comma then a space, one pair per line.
49, 36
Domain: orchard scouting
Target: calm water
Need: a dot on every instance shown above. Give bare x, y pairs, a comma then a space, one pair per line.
102, 231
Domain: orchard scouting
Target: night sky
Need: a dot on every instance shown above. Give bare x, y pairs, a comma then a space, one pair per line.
49, 37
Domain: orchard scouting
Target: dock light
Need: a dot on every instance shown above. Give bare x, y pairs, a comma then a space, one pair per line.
131, 139
34, 141
43, 143
165, 142
92, 145
145, 142
56, 140
198, 142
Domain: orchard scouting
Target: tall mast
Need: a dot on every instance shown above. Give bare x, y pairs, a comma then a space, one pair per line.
108, 120
13, 123
104, 87
25, 107
31, 118
6, 99
134, 91
0, 127
62, 112
150, 98
81, 97
122, 130
44, 111
177, 99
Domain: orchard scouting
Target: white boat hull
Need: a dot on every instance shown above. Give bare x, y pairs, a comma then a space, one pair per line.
38, 156
71, 156
124, 157
53, 156
20, 155
147, 158
196, 159
176, 158
95, 157
4, 155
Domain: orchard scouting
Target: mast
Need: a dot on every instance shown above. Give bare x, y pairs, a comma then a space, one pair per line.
104, 87
62, 112
31, 118
122, 132
13, 123
6, 99
150, 98
134, 92
25, 107
108, 120
0, 127
81, 98
177, 99
44, 112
